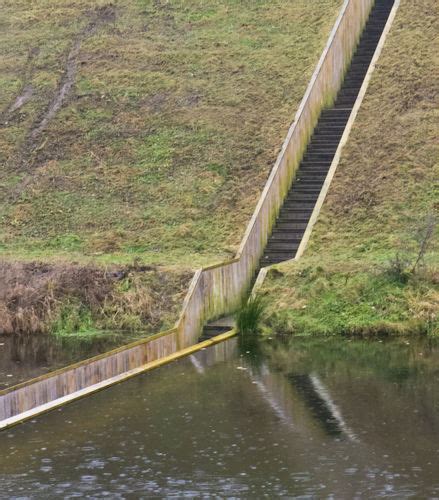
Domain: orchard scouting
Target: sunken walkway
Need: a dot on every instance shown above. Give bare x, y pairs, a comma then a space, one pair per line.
300, 201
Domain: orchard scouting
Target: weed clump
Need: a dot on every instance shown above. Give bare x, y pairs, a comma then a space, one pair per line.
248, 317
397, 268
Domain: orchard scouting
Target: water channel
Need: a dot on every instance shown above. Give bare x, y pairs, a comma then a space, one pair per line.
328, 418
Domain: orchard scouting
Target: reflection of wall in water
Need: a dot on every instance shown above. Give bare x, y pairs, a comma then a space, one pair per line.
24, 356
223, 351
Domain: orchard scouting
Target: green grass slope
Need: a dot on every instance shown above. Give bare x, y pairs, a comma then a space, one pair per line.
145, 128
135, 138
359, 274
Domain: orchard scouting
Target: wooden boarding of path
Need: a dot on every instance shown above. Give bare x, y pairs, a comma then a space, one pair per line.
217, 290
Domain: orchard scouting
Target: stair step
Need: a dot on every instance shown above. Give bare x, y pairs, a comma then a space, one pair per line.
288, 216
308, 183
347, 94
361, 58
280, 246
282, 251
310, 179
348, 91
210, 331
337, 120
300, 189
315, 180
364, 52
284, 237
333, 135
319, 156
368, 44
319, 174
373, 32
279, 256
351, 87
328, 131
324, 142
311, 165
321, 149
331, 112
343, 97
318, 153
300, 215
320, 170
357, 82
331, 124
285, 222
332, 127
346, 100
307, 206
349, 108
324, 146
303, 197
358, 70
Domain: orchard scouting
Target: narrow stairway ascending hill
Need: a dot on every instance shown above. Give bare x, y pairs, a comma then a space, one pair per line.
300, 201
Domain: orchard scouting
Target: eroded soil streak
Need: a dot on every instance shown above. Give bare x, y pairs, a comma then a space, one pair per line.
32, 143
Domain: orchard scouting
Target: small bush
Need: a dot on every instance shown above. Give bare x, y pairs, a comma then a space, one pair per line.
398, 268
249, 315
402, 268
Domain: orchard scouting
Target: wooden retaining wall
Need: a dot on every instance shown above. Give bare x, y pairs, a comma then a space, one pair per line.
218, 289
60, 383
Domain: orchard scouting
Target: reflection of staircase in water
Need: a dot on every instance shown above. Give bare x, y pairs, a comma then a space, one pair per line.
321, 405
292, 398
300, 201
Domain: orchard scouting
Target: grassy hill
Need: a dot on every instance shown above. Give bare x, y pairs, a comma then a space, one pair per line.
137, 133
359, 273
145, 128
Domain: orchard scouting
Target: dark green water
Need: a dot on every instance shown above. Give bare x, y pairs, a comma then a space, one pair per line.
305, 419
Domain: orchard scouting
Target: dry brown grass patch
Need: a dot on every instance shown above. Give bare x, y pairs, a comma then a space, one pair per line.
33, 295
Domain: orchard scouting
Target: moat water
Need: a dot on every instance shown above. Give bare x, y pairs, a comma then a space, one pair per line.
23, 357
324, 418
